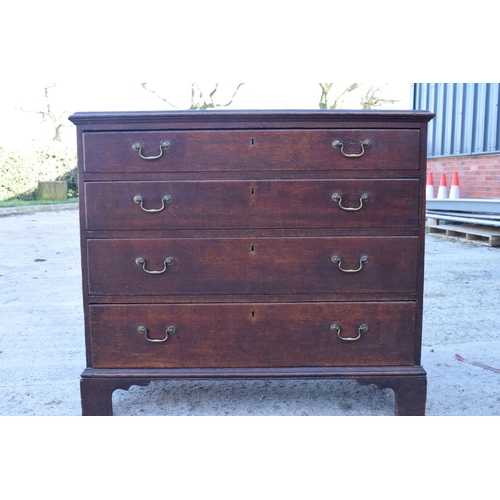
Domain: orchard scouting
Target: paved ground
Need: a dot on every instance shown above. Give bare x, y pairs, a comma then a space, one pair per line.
42, 350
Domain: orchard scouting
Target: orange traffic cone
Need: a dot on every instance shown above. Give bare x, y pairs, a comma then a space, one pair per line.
455, 188
442, 191
429, 188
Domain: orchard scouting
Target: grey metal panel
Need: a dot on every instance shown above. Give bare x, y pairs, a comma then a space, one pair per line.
492, 122
467, 117
448, 120
479, 118
432, 104
483, 205
458, 103
467, 120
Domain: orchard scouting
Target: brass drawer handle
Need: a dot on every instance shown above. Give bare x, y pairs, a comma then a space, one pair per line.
169, 261
137, 147
364, 144
144, 331
335, 327
140, 200
363, 260
337, 198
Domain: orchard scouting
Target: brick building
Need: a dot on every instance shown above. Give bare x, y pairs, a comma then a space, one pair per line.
464, 137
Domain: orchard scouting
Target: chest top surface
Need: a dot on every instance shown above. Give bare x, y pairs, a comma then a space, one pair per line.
247, 118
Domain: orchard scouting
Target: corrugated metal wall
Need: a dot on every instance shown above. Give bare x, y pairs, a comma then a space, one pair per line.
467, 118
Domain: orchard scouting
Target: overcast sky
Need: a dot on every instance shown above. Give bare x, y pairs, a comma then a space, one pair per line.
19, 122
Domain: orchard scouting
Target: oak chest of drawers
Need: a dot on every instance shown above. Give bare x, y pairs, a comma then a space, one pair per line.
253, 244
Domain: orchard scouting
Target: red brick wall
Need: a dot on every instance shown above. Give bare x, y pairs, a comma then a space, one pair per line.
478, 176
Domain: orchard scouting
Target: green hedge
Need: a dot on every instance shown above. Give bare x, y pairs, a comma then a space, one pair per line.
21, 169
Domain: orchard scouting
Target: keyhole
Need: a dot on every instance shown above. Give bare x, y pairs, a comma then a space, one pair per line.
253, 313
252, 142
252, 190
252, 248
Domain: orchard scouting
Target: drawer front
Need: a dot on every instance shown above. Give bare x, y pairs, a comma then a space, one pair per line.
240, 150
314, 204
187, 266
252, 335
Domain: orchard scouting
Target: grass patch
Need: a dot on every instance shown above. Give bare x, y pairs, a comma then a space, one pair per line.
24, 203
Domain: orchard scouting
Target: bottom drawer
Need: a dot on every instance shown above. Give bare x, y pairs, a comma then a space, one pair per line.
253, 335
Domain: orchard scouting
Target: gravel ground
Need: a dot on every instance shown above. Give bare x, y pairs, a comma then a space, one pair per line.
42, 350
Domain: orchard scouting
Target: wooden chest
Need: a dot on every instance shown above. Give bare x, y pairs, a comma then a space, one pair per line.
252, 245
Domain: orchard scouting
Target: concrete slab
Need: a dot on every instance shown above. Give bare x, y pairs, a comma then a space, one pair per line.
42, 350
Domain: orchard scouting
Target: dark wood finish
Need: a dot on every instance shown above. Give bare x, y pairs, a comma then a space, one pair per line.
253, 335
252, 266
410, 392
236, 150
252, 228
281, 204
408, 383
97, 394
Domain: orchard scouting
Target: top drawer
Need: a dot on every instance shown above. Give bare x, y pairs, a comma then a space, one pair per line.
240, 150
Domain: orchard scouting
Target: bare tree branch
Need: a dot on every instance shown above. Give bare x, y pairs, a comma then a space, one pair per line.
48, 114
325, 90
198, 100
340, 98
145, 87
209, 105
371, 100
212, 93
234, 95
